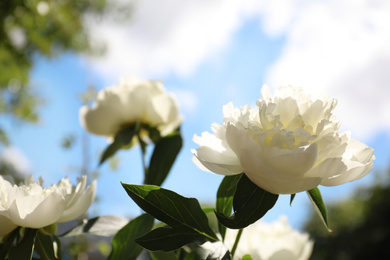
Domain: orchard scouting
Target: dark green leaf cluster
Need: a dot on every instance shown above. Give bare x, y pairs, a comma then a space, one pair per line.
165, 151
24, 243
187, 223
250, 203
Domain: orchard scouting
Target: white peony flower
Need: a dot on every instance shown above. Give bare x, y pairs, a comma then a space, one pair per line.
133, 101
274, 241
288, 144
32, 206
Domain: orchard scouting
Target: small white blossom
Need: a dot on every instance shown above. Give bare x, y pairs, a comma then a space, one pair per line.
132, 101
32, 206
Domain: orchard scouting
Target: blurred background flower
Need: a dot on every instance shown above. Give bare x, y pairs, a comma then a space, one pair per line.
271, 241
133, 101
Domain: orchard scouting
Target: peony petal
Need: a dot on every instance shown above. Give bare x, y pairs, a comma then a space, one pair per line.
282, 255
331, 145
215, 154
340, 170
219, 168
265, 93
306, 251
249, 154
135, 103
171, 126
74, 195
81, 205
355, 163
37, 211
159, 110
297, 161
358, 151
313, 114
287, 109
101, 120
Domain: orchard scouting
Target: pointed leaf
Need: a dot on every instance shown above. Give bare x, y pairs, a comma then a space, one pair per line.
225, 195
169, 238
122, 138
45, 247
102, 226
171, 208
24, 249
292, 198
161, 255
316, 199
250, 203
8, 240
164, 155
123, 243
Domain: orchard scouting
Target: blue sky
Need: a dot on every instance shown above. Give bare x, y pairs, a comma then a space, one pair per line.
227, 56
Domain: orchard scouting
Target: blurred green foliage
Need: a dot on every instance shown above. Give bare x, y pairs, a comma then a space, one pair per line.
33, 28
361, 226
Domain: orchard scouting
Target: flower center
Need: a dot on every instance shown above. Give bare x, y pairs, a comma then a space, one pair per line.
284, 138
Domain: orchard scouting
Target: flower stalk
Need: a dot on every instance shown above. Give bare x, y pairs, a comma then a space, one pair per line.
234, 248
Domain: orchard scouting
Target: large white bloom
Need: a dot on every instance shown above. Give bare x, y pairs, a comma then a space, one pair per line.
288, 144
32, 206
132, 101
271, 241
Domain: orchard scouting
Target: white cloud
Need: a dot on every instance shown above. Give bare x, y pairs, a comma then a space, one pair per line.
341, 46
337, 45
169, 36
15, 160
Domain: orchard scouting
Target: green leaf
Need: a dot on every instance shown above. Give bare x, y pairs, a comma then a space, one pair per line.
160, 255
8, 241
316, 199
164, 155
45, 247
250, 203
169, 238
225, 194
101, 226
122, 138
24, 249
123, 243
292, 198
246, 257
153, 132
182, 214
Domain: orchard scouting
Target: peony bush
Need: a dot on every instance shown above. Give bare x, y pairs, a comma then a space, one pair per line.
289, 143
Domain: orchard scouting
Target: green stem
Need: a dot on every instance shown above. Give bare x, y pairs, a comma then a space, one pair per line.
236, 242
143, 152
